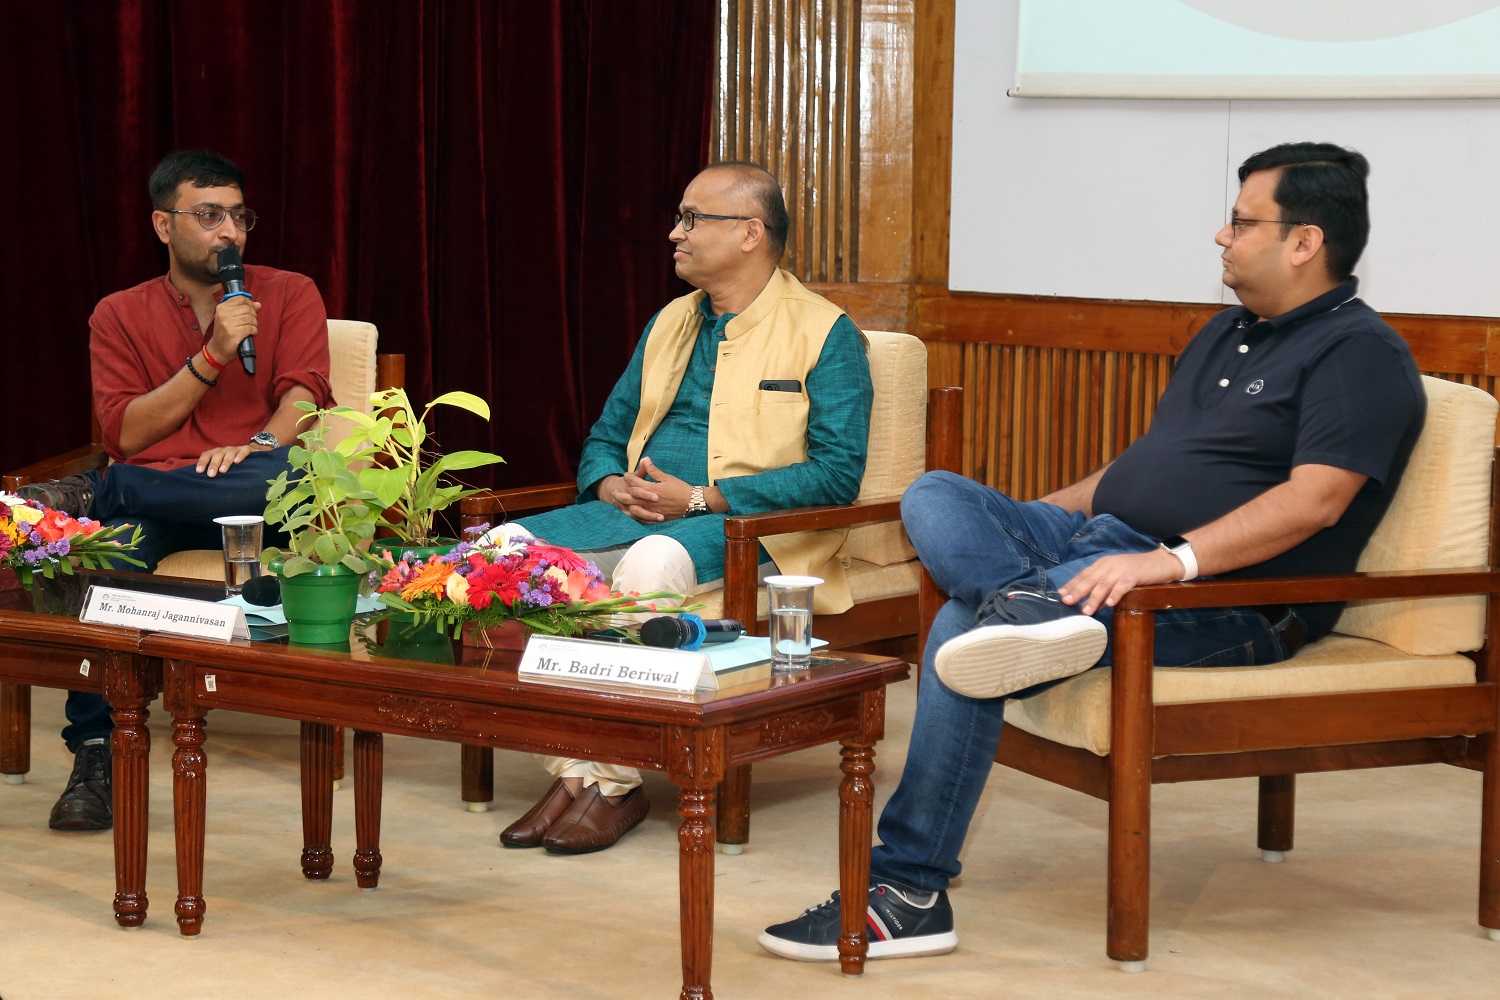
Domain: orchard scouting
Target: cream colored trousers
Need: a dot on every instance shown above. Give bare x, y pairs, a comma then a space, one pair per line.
656, 562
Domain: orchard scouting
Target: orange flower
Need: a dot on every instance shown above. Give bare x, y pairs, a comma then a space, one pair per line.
580, 590
432, 579
55, 525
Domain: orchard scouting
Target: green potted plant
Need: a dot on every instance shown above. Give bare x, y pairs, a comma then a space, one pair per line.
390, 448
329, 517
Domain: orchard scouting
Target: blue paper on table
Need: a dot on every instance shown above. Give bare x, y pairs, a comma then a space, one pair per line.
258, 615
742, 652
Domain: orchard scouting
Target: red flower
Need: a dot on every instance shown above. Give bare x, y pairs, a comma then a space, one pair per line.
555, 555
490, 582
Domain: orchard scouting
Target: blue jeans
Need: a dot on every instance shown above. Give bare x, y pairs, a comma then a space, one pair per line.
175, 511
975, 540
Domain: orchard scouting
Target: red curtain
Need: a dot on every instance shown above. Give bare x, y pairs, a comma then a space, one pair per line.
490, 183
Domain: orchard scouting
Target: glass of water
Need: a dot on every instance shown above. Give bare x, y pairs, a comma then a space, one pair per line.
242, 537
791, 621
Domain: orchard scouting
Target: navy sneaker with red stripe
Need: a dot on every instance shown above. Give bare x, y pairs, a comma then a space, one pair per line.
902, 923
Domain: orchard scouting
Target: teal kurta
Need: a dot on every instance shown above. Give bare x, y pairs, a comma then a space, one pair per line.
838, 427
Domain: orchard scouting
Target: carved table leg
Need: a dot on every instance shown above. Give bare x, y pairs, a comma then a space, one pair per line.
189, 792
130, 752
695, 878
317, 800
696, 765
15, 731
856, 801
369, 767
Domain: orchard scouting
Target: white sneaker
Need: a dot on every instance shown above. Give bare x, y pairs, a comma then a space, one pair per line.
996, 660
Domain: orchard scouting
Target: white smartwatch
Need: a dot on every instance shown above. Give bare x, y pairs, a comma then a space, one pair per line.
1183, 550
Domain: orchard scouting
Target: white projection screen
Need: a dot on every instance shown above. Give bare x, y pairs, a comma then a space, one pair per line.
1258, 49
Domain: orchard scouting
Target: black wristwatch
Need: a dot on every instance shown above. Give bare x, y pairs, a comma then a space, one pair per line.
265, 439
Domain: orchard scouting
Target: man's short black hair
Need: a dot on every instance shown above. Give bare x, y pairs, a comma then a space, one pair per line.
1324, 185
768, 203
203, 167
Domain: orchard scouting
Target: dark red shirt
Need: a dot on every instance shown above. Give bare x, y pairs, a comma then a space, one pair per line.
140, 337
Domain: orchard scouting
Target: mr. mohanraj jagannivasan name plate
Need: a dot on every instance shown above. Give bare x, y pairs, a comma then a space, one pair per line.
159, 613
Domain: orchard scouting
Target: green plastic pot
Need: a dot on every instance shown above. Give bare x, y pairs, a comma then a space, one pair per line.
396, 547
319, 605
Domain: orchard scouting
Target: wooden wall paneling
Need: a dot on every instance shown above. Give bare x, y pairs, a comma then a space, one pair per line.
932, 139
787, 97
886, 68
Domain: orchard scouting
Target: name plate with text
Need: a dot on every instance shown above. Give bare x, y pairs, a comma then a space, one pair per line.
158, 613
608, 664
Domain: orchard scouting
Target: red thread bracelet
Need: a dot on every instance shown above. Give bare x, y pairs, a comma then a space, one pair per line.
210, 359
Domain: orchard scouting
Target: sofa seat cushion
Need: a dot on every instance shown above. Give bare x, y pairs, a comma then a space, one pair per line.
867, 582
1077, 712
196, 564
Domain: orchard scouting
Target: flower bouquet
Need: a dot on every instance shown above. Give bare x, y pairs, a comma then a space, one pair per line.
549, 589
37, 539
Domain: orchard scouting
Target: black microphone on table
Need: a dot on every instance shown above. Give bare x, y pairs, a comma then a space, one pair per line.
232, 277
688, 631
262, 591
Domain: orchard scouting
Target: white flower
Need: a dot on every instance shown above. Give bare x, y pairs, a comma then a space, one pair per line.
504, 540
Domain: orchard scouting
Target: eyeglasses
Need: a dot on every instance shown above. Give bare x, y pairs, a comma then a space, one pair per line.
1237, 225
687, 219
209, 218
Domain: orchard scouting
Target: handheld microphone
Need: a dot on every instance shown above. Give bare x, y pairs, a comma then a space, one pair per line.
688, 631
262, 591
232, 277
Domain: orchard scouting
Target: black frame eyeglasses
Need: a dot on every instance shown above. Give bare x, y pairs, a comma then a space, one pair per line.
687, 219
212, 218
1237, 225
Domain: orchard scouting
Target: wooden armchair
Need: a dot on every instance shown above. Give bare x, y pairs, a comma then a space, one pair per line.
884, 575
1410, 676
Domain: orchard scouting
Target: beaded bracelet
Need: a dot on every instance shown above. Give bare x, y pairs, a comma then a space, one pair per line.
200, 378
210, 359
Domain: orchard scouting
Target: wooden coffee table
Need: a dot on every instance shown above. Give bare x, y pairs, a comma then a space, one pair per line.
55, 651
481, 701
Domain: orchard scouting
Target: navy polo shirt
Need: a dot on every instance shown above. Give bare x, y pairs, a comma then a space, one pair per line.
1328, 383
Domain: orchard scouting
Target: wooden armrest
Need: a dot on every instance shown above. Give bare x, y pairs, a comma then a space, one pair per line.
777, 522
68, 464
1312, 589
491, 502
741, 547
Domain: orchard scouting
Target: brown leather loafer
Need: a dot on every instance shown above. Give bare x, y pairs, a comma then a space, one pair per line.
594, 823
529, 830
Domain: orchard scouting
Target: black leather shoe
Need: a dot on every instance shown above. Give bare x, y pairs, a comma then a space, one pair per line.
88, 801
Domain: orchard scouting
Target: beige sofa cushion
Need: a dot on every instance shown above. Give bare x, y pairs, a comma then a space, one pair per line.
867, 582
898, 443
352, 347
1077, 712
1439, 519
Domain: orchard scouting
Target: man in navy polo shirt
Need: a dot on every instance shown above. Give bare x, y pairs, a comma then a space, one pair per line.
1275, 450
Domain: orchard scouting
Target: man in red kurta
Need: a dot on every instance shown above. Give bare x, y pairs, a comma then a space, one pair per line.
194, 435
